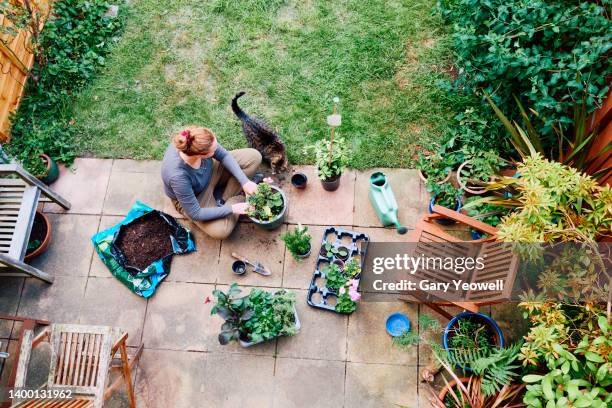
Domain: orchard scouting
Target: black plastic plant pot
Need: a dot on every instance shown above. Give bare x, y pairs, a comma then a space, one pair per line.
331, 184
343, 257
307, 253
239, 268
279, 219
493, 330
299, 180
444, 220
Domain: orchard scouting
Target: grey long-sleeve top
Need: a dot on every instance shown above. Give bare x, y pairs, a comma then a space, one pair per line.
183, 183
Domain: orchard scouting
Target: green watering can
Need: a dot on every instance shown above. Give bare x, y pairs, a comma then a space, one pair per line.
383, 201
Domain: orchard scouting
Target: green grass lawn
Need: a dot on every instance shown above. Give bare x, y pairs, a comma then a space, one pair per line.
180, 62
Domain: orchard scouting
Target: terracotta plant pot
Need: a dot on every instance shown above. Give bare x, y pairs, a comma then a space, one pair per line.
44, 221
424, 178
331, 184
52, 172
465, 182
451, 384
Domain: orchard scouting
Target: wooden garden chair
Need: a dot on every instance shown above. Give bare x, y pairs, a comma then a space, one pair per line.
20, 193
501, 262
82, 358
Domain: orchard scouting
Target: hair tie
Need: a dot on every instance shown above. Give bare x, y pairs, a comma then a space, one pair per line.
188, 137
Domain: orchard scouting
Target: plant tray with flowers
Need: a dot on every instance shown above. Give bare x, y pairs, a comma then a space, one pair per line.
335, 281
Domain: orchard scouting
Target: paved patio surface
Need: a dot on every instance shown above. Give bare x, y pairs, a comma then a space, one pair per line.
334, 361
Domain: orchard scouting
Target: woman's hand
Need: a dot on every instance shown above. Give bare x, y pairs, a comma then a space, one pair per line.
251, 188
240, 208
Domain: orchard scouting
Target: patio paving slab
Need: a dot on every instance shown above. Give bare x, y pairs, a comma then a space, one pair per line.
302, 383
108, 302
323, 334
406, 187
255, 244
176, 317
10, 291
84, 186
59, 302
200, 266
137, 166
125, 188
368, 341
70, 249
167, 378
379, 386
238, 381
313, 205
97, 267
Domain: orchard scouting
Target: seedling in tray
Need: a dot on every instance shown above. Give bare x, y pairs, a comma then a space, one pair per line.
335, 282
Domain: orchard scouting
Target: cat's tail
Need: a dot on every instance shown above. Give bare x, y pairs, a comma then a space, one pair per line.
239, 112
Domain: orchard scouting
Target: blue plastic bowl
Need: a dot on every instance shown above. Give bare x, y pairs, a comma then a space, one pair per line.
397, 324
477, 316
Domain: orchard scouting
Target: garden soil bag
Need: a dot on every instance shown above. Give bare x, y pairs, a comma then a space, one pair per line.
139, 249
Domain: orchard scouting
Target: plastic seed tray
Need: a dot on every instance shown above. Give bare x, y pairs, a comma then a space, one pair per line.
319, 295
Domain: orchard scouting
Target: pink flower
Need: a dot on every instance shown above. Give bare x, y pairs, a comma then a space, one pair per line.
354, 295
342, 290
354, 284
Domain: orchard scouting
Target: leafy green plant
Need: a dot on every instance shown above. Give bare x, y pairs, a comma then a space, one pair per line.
490, 214
332, 165
552, 53
345, 304
429, 328
436, 166
552, 203
568, 352
266, 204
273, 315
234, 310
352, 268
33, 244
470, 335
334, 277
332, 250
73, 43
257, 317
446, 194
298, 241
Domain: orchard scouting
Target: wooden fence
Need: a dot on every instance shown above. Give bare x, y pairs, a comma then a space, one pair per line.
603, 120
15, 61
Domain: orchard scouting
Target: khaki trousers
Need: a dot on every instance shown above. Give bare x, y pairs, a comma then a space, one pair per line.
248, 160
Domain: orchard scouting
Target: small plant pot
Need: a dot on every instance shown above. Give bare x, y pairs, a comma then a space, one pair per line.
299, 181
443, 220
279, 219
340, 264
42, 228
245, 343
52, 172
464, 182
493, 329
331, 184
476, 235
239, 268
348, 253
307, 254
423, 177
451, 384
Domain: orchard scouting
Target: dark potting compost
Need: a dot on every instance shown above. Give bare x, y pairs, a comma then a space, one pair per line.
145, 240
138, 250
39, 231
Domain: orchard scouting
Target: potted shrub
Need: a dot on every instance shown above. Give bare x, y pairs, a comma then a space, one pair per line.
435, 168
469, 334
331, 160
40, 236
257, 317
298, 242
447, 196
268, 206
473, 174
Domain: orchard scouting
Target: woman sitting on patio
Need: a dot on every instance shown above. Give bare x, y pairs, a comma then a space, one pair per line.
190, 177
